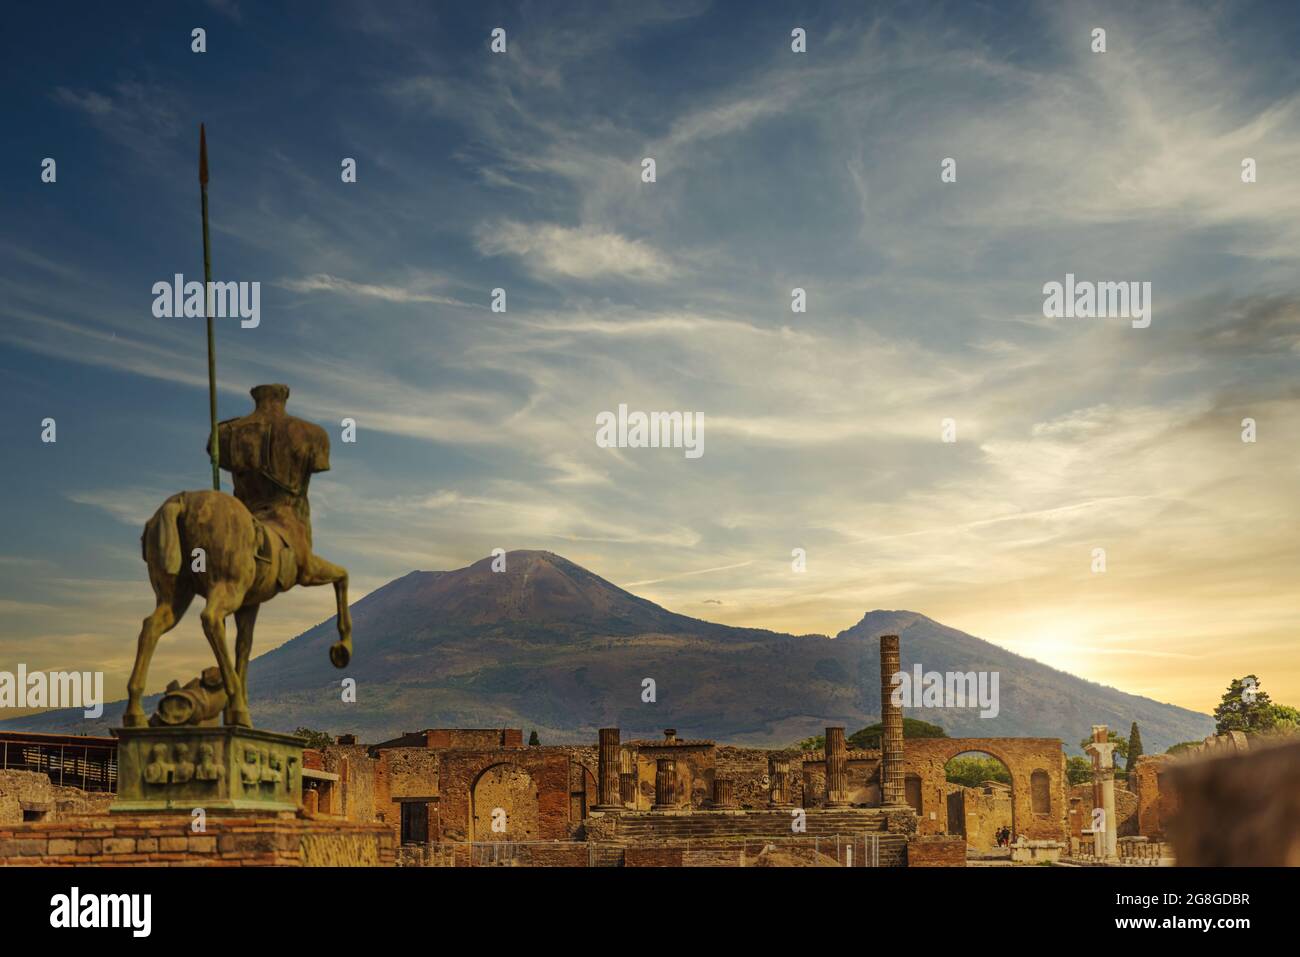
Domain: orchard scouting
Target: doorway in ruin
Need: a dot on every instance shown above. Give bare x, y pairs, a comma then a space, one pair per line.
504, 805
980, 799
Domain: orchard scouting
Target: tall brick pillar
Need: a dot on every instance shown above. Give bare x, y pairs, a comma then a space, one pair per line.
626, 779
778, 774
892, 793
837, 769
607, 771
665, 784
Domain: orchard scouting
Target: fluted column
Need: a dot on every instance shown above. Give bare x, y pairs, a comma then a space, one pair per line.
778, 774
837, 771
723, 793
607, 771
891, 718
665, 784
626, 779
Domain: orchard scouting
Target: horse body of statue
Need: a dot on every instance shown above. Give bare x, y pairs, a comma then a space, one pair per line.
254, 545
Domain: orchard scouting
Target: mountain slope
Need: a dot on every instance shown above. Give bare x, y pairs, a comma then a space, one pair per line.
546, 644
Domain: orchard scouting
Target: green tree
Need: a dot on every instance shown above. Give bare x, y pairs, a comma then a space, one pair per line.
1078, 770
1134, 748
533, 739
1286, 719
1182, 746
315, 739
869, 738
1244, 708
972, 771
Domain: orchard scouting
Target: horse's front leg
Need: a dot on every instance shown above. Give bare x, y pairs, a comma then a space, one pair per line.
322, 572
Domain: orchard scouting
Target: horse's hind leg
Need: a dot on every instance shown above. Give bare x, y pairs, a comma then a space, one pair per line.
245, 619
174, 597
224, 600
322, 572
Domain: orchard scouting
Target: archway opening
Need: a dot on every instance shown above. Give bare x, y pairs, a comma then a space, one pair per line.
980, 799
504, 805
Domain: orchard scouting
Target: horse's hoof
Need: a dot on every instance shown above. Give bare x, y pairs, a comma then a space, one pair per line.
340, 654
134, 720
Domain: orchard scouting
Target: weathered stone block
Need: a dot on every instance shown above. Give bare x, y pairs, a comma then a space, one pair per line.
214, 768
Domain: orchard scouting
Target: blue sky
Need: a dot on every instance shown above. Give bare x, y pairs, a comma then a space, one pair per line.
774, 170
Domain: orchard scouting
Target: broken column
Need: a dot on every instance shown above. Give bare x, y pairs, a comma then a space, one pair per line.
665, 784
723, 793
607, 771
837, 770
1101, 748
891, 719
778, 775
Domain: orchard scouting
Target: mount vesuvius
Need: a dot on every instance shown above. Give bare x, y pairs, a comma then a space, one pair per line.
548, 645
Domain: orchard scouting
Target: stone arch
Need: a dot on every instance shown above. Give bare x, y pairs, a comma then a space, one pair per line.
927, 757
988, 811
508, 787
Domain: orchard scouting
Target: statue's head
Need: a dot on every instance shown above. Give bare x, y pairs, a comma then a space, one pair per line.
270, 395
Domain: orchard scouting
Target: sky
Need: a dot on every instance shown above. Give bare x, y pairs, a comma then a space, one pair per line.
774, 170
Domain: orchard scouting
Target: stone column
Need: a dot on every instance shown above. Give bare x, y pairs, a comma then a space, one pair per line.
665, 784
1105, 841
891, 717
723, 793
778, 774
837, 770
626, 779
607, 771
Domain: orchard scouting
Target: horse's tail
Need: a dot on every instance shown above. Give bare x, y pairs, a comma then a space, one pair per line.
167, 532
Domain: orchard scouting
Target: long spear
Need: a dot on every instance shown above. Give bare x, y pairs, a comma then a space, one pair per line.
213, 444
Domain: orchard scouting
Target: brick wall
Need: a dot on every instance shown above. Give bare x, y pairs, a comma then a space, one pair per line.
653, 857
167, 840
32, 791
936, 851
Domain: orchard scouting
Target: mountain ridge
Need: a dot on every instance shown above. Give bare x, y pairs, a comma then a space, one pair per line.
546, 644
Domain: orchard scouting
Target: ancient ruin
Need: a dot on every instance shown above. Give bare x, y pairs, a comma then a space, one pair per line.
470, 797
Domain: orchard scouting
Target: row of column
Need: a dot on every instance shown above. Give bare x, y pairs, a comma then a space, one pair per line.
617, 775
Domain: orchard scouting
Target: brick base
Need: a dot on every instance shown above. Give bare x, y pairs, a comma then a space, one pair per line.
938, 851
167, 840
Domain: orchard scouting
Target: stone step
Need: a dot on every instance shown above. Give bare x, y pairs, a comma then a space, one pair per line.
750, 824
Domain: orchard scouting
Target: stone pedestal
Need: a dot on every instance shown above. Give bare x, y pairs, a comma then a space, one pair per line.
837, 769
607, 767
892, 793
213, 768
665, 784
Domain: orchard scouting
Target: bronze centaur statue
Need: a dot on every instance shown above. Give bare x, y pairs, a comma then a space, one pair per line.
242, 550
